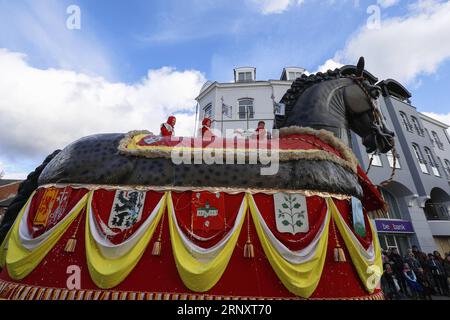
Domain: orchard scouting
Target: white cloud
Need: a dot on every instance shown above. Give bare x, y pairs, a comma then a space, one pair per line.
42, 110
388, 3
15, 175
330, 64
404, 47
274, 6
8, 171
445, 118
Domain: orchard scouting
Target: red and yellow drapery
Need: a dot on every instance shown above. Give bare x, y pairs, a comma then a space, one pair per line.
300, 263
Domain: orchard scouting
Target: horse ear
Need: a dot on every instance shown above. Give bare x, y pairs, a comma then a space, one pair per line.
360, 67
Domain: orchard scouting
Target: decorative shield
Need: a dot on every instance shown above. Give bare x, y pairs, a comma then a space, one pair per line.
291, 213
208, 211
126, 210
51, 207
358, 217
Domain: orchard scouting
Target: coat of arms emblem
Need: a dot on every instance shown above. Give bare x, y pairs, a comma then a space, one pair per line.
291, 213
208, 211
358, 217
51, 207
126, 210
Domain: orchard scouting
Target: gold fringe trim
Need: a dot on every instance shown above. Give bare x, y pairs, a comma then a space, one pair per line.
15, 291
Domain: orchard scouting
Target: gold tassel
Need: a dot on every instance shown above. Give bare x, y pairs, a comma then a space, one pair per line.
249, 250
71, 245
72, 242
339, 254
157, 248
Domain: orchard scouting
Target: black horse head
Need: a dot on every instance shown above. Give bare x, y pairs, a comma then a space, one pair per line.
337, 101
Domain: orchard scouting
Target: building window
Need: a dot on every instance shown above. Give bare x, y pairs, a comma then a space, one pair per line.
431, 161
437, 141
405, 122
447, 167
447, 136
441, 165
245, 76
294, 75
444, 213
246, 109
207, 111
417, 126
393, 209
436, 211
388, 242
420, 159
390, 158
376, 160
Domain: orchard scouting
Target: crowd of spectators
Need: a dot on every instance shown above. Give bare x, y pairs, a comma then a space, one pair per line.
416, 275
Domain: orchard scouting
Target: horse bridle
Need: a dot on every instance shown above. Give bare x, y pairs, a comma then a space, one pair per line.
377, 128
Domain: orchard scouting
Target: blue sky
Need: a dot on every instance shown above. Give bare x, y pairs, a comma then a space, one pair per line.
116, 62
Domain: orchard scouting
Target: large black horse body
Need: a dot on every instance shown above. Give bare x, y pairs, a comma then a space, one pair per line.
336, 101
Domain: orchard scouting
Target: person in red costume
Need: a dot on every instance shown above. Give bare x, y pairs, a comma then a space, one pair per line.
168, 127
206, 129
261, 131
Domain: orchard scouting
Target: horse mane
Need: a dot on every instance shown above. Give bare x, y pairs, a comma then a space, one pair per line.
299, 86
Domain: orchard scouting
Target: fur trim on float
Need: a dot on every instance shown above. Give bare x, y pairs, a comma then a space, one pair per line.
128, 138
348, 160
327, 137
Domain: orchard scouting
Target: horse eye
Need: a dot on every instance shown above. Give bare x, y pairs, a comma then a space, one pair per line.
375, 93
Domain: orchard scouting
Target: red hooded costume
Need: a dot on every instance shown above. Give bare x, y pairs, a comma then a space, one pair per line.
168, 128
206, 129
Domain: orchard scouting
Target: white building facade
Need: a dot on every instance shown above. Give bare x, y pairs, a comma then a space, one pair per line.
240, 105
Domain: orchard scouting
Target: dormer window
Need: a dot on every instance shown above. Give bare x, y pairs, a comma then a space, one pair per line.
246, 74
292, 73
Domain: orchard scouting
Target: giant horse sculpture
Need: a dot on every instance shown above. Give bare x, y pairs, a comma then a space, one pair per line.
136, 225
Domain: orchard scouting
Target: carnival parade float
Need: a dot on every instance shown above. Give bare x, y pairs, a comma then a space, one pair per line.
143, 216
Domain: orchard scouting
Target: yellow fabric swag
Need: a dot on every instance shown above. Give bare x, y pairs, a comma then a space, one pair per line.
19, 260
369, 268
108, 273
200, 276
300, 279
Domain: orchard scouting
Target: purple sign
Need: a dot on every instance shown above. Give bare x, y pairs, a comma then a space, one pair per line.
399, 226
